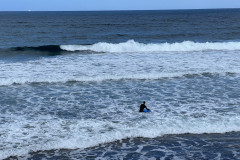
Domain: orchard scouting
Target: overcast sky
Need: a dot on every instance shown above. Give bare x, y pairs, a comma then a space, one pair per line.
86, 5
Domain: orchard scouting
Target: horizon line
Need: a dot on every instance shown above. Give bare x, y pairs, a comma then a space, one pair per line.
116, 10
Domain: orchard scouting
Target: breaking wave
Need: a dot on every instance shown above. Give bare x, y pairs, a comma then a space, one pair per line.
128, 47
133, 46
65, 134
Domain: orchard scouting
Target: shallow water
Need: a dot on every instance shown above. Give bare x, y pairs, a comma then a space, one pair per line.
81, 115
186, 146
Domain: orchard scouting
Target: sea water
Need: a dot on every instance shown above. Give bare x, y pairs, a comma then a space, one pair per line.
71, 84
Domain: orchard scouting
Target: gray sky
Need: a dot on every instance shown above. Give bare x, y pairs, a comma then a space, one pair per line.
85, 5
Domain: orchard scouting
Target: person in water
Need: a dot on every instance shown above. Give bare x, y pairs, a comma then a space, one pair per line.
142, 106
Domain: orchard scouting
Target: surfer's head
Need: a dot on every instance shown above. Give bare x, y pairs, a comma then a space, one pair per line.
144, 102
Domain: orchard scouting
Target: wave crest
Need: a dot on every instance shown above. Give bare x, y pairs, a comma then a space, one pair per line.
133, 46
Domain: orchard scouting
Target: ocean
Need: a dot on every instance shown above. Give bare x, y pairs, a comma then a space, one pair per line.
71, 84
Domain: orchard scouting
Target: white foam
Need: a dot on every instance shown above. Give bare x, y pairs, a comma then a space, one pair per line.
95, 67
53, 133
132, 46
67, 78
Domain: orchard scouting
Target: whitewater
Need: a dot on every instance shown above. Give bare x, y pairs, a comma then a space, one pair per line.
71, 84
123, 61
152, 70
133, 46
48, 133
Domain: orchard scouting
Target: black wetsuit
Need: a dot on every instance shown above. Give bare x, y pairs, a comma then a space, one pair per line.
142, 106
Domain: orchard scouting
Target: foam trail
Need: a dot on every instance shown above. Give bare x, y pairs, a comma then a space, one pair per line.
65, 79
133, 46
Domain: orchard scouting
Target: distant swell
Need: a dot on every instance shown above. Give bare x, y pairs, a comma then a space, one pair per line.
133, 46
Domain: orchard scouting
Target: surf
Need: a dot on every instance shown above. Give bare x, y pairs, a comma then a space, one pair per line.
88, 133
134, 46
114, 78
130, 46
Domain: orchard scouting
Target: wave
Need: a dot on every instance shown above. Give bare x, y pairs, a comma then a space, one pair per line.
50, 50
47, 48
133, 46
70, 79
80, 134
129, 46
